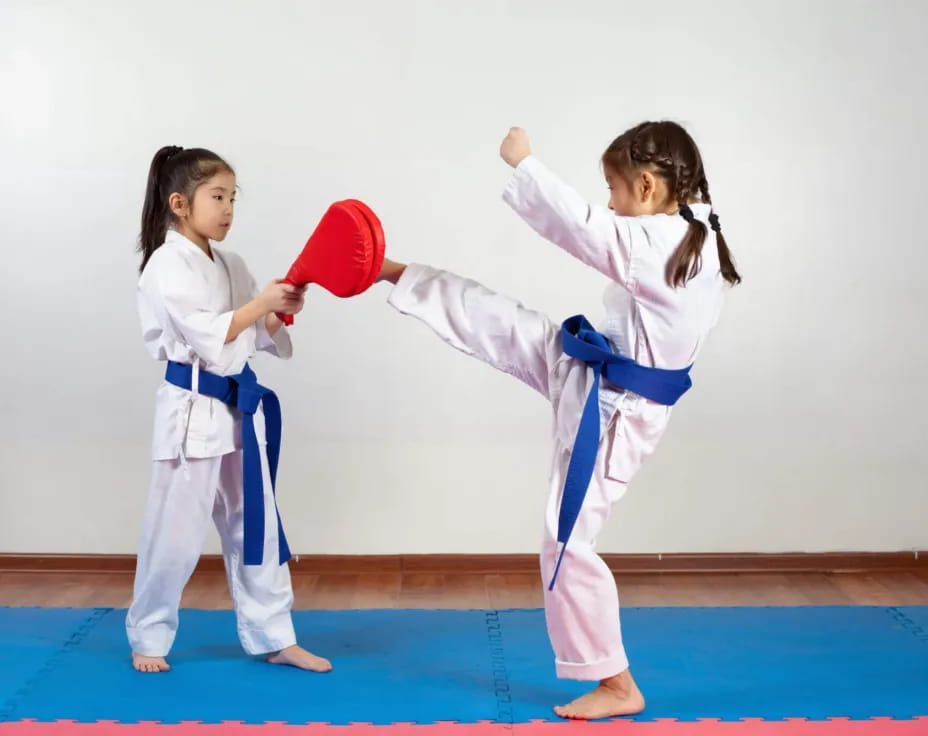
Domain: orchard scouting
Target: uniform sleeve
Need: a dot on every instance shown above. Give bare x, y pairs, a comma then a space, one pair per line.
592, 234
279, 344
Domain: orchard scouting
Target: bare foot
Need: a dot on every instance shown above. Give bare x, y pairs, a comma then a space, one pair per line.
149, 664
296, 656
615, 696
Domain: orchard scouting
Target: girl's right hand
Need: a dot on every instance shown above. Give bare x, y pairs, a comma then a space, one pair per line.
279, 296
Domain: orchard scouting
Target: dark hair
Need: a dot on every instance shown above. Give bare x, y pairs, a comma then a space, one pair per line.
667, 150
173, 169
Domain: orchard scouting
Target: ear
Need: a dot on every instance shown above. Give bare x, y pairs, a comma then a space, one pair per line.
177, 203
647, 186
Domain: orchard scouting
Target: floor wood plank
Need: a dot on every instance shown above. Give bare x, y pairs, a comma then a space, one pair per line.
491, 590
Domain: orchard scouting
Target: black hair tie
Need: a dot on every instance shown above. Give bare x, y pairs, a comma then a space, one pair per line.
174, 151
714, 222
686, 213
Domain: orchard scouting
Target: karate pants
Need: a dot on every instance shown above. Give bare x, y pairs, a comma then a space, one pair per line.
177, 514
582, 612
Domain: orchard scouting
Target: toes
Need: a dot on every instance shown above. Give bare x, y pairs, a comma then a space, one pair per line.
569, 711
303, 660
147, 665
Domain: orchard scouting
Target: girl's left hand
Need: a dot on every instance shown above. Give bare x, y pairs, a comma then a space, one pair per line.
515, 147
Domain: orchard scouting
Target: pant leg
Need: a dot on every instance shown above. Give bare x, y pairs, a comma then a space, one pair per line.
471, 318
261, 594
582, 612
173, 532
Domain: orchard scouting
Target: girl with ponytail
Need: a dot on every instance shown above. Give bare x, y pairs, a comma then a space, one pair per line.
203, 316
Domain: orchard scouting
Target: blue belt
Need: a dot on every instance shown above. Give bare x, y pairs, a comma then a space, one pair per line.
244, 393
582, 342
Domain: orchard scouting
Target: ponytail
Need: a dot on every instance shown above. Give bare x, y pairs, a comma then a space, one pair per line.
726, 264
155, 211
686, 260
173, 169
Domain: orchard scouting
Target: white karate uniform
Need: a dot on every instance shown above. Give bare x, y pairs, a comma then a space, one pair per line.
646, 320
186, 301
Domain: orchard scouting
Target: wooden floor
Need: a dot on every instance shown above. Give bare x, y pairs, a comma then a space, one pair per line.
522, 590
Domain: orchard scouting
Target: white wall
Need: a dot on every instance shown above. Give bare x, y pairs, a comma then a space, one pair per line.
805, 428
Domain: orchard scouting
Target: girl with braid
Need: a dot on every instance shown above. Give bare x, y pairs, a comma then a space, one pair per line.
660, 245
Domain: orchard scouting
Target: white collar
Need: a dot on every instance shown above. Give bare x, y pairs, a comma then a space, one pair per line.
173, 237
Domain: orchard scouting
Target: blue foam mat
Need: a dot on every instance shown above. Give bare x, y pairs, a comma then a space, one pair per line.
914, 618
30, 639
425, 666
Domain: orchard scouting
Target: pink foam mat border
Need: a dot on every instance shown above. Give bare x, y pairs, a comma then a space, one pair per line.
660, 727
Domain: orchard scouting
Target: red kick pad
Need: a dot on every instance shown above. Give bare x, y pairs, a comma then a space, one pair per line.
344, 254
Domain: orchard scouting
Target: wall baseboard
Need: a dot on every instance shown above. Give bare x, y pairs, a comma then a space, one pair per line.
440, 564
